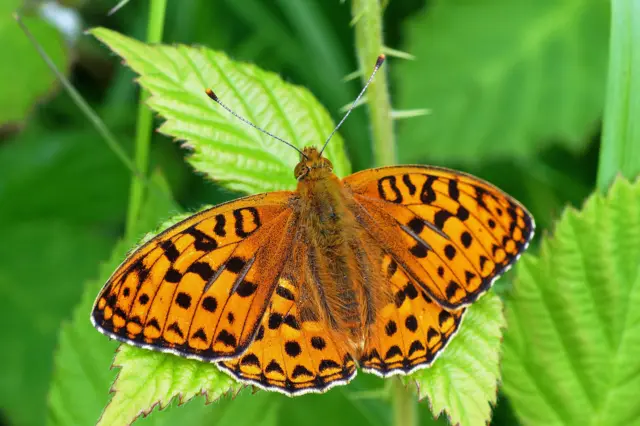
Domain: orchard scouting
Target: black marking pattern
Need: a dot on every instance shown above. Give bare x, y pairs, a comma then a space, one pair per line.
243, 229
388, 189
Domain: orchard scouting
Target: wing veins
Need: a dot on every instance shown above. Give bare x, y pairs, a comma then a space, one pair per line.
389, 251
276, 279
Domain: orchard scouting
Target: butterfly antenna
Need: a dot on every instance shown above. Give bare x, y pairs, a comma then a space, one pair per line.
215, 98
353, 105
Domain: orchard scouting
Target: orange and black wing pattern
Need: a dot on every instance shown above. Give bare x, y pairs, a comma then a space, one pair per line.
452, 233
411, 331
293, 352
200, 289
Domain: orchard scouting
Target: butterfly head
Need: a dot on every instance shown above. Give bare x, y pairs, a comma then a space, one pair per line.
312, 165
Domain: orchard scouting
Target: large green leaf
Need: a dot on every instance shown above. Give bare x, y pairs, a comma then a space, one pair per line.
503, 78
571, 352
225, 148
148, 379
463, 381
24, 77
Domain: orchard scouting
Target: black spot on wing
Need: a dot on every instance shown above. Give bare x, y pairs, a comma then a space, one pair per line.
209, 304
292, 348
274, 366
427, 194
235, 264
226, 338
183, 300
388, 189
200, 335
220, 224
241, 227
176, 329
275, 320
246, 288
170, 250
318, 343
440, 218
203, 269
250, 359
327, 363
285, 293
406, 179
393, 351
416, 345
172, 276
391, 328
202, 242
301, 370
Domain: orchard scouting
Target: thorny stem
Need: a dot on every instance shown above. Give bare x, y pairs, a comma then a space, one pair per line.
144, 124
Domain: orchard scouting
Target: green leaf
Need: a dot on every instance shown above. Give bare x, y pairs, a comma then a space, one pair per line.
148, 379
25, 77
571, 349
463, 380
225, 148
502, 78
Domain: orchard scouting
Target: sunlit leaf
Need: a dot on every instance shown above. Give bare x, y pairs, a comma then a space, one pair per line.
573, 339
463, 381
225, 148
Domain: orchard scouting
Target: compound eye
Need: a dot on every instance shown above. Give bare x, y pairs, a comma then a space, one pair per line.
300, 171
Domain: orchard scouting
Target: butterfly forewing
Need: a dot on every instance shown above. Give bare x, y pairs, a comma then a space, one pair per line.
453, 233
200, 288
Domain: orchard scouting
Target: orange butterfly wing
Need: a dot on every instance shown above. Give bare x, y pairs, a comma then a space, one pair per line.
452, 233
291, 353
410, 332
200, 288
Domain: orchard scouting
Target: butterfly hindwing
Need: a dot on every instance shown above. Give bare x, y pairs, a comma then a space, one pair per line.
292, 354
410, 332
200, 288
453, 233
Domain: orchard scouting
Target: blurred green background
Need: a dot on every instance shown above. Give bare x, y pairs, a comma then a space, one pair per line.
515, 88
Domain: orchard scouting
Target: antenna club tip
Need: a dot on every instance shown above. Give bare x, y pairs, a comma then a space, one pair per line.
381, 59
210, 94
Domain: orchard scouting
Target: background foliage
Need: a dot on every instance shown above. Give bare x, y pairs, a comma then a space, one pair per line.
515, 100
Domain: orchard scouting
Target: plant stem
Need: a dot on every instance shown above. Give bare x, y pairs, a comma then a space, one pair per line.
369, 45
405, 412
620, 147
145, 121
367, 15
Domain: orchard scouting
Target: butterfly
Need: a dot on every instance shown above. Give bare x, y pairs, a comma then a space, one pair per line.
292, 291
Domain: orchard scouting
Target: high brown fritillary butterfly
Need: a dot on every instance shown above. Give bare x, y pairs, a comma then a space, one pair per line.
291, 291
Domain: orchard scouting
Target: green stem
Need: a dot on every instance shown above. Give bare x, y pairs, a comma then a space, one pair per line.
144, 124
620, 149
367, 15
369, 45
405, 412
